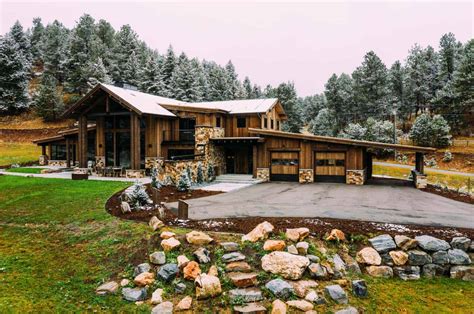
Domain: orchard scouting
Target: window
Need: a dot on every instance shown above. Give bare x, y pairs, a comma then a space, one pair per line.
181, 154
241, 122
265, 123
278, 124
218, 122
58, 152
284, 162
271, 124
330, 162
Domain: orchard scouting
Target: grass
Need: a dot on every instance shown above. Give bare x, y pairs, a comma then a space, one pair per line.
18, 153
25, 170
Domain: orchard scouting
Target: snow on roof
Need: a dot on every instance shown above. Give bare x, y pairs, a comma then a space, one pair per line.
239, 106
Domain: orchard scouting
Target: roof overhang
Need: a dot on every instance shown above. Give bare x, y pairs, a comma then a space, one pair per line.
237, 140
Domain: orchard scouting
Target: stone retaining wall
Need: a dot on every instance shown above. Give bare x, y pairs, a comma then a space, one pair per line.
43, 160
57, 163
100, 161
263, 174
154, 162
356, 177
306, 175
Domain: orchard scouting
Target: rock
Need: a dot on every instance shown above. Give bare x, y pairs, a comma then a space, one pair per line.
274, 245
107, 288
280, 288
144, 279
287, 265
292, 249
336, 293
301, 287
260, 232
170, 244
311, 296
383, 243
168, 272
246, 295
238, 266
163, 308
336, 235
213, 271
368, 256
462, 272
434, 270
386, 259
141, 268
351, 265
233, 257
461, 243
182, 261
302, 247
471, 248
158, 258
124, 282
179, 288
359, 288
405, 243
125, 207
347, 310
418, 258
207, 286
203, 255
458, 257
407, 272
301, 305
243, 280
399, 257
278, 307
313, 258
297, 234
251, 308
230, 246
440, 257
157, 296
339, 266
318, 271
198, 238
155, 223
380, 271
191, 270
167, 235
429, 243
184, 304
328, 267
134, 294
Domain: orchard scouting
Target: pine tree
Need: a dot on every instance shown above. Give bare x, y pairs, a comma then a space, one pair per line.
440, 132
19, 36
166, 72
232, 81
184, 183
48, 102
340, 99
310, 106
286, 93
396, 80
199, 174
105, 36
150, 75
185, 81
420, 132
323, 124
211, 176
247, 86
54, 50
218, 83
353, 131
125, 42
14, 69
36, 39
418, 72
198, 88
131, 70
97, 73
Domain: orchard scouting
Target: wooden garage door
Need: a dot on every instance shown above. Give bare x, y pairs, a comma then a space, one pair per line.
284, 166
330, 166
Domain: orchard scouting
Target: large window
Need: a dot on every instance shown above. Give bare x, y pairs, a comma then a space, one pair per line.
241, 122
117, 141
58, 152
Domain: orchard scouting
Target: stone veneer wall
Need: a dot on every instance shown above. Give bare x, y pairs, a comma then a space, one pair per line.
43, 160
57, 163
419, 179
154, 162
100, 161
306, 175
263, 174
356, 177
134, 174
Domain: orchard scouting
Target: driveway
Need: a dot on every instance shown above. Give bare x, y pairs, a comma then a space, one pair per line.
387, 203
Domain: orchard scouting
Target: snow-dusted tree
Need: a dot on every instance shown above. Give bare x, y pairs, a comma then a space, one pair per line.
97, 73
19, 36
105, 45
396, 78
48, 102
340, 99
36, 38
155, 182
380, 131
353, 131
418, 72
232, 81
310, 106
14, 69
54, 49
199, 174
211, 175
420, 132
286, 93
166, 72
184, 183
199, 83
247, 86
323, 123
131, 70
185, 81
126, 42
440, 132
138, 197
150, 76
217, 79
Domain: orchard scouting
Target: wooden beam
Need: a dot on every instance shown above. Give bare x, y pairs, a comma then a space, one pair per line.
68, 156
82, 141
135, 141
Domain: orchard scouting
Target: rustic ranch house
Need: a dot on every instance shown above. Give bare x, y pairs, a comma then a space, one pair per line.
122, 128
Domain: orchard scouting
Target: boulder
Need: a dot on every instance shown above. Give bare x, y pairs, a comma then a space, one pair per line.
302, 247
233, 257
407, 272
238, 266
182, 261
318, 271
163, 308
434, 270
347, 310
202, 255
260, 232
170, 244
250, 308
339, 266
107, 288
458, 257
368, 256
274, 245
380, 271
184, 304
405, 243
243, 280
155, 223
168, 272
383, 243
246, 295
429, 243
198, 238
336, 235
278, 307
301, 305
471, 248
144, 279
301, 287
461, 243
134, 294
230, 246
280, 288
440, 257
287, 265
399, 257
157, 296
124, 282
336, 293
213, 271
141, 268
179, 287
297, 234
462, 272
386, 259
418, 258
313, 258
292, 249
125, 207
207, 286
158, 258
359, 288
351, 265
167, 235
191, 271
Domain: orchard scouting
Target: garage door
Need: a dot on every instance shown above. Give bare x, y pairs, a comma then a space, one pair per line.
330, 166
284, 166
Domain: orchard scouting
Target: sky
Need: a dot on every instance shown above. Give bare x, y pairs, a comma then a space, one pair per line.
271, 42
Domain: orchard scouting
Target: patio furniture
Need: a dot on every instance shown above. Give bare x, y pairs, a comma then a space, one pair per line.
117, 171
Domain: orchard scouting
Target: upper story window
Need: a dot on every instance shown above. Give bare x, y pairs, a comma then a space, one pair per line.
271, 124
241, 122
265, 123
218, 122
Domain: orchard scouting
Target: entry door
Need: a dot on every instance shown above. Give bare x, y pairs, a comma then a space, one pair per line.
284, 166
330, 166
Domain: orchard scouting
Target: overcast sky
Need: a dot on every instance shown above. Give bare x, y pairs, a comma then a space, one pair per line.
270, 42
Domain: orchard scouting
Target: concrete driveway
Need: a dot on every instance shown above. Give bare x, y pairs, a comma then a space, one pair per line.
387, 203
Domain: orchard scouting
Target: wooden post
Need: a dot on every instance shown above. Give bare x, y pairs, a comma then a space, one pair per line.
419, 163
182, 209
68, 155
82, 142
369, 165
134, 141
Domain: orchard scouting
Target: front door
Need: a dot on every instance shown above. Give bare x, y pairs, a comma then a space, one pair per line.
230, 161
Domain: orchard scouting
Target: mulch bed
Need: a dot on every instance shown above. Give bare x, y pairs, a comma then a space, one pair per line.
449, 194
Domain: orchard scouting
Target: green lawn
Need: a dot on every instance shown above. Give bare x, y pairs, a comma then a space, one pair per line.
25, 170
18, 153
57, 244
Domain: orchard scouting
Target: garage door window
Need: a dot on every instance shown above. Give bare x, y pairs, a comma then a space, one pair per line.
284, 162
330, 162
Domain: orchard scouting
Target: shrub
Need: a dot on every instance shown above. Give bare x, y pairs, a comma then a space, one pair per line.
154, 179
431, 163
199, 174
190, 174
138, 197
323, 124
447, 156
427, 131
184, 183
210, 172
